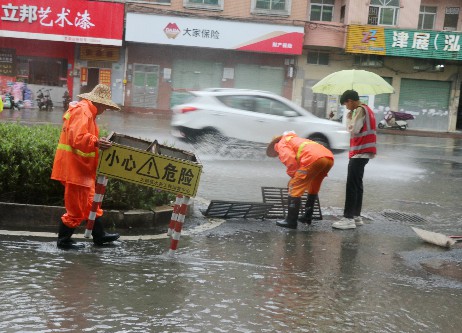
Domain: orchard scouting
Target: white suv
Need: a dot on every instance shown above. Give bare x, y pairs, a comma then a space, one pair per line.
250, 115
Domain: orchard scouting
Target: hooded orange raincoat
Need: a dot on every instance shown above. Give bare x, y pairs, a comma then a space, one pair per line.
307, 163
76, 161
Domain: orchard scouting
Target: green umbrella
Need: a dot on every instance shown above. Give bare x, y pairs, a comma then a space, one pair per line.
364, 82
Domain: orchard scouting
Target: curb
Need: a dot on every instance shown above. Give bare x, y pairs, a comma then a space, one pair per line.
39, 218
408, 132
210, 224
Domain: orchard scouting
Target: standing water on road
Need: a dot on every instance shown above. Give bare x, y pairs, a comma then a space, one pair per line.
249, 275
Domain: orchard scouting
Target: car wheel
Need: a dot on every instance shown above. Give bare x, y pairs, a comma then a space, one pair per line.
321, 139
381, 125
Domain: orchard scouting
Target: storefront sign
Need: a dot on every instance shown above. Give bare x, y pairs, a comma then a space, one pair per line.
231, 35
99, 53
7, 61
404, 43
89, 22
105, 76
84, 76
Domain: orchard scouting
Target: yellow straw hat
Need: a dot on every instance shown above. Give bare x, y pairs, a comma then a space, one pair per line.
101, 94
270, 149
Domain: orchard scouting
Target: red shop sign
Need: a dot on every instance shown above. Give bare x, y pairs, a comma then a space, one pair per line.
88, 22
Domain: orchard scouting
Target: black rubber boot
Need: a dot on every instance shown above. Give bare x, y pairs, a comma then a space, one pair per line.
101, 237
292, 213
64, 238
309, 208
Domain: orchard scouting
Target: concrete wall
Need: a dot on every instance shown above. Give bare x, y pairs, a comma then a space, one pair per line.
239, 9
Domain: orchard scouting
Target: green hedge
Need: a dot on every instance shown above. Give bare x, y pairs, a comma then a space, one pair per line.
26, 160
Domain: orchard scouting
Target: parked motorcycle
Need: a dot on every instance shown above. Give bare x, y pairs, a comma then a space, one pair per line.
395, 120
44, 101
66, 100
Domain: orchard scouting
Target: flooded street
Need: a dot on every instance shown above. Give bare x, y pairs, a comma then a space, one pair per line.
249, 275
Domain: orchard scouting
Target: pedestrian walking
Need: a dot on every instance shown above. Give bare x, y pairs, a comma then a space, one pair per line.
307, 164
75, 165
362, 127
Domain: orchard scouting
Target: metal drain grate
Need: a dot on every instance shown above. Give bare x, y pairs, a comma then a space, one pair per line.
278, 197
404, 217
235, 209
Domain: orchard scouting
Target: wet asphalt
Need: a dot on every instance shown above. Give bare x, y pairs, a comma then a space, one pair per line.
243, 275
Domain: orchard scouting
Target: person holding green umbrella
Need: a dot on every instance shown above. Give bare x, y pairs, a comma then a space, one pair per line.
362, 127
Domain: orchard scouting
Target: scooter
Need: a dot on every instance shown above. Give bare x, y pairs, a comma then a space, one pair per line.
66, 100
40, 99
395, 120
44, 101
9, 103
48, 101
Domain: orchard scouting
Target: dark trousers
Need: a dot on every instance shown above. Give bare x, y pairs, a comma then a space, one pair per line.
354, 187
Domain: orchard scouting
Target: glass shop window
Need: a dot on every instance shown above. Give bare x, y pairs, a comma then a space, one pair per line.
43, 71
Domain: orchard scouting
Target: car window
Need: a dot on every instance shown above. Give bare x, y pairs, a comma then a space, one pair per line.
271, 106
239, 102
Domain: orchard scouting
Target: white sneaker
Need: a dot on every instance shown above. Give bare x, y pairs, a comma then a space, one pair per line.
344, 223
358, 220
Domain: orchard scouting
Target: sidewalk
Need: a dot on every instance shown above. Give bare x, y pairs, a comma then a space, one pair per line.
422, 133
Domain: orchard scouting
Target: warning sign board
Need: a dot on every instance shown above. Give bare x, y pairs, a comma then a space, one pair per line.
149, 169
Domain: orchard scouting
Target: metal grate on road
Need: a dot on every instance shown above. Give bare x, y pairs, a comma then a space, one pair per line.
404, 217
235, 209
278, 197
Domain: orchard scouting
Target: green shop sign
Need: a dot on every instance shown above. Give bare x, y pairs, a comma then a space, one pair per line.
423, 44
427, 44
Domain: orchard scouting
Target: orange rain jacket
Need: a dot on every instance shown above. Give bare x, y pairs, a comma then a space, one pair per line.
295, 152
76, 158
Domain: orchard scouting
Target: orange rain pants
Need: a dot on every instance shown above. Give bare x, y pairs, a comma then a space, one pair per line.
78, 201
310, 178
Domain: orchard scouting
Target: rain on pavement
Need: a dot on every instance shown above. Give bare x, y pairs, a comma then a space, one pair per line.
249, 275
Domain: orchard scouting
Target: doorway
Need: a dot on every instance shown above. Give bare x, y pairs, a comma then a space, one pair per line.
145, 85
92, 81
459, 111
315, 103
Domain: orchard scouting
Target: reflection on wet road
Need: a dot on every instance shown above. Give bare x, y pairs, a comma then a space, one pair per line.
247, 277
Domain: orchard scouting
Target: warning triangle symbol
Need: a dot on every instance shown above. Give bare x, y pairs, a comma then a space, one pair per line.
149, 169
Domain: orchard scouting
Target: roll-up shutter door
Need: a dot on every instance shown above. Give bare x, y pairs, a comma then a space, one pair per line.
259, 77
188, 74
428, 101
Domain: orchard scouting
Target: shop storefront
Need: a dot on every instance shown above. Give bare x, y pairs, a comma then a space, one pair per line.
426, 85
181, 54
40, 43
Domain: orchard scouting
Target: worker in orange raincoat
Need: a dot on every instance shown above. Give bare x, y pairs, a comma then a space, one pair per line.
307, 163
76, 162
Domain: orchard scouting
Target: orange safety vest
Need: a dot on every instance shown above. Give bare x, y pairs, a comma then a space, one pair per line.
76, 157
365, 140
295, 152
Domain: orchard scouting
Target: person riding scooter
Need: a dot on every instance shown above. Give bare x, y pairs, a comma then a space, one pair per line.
397, 120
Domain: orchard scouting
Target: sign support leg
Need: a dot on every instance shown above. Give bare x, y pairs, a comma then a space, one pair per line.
179, 225
100, 189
